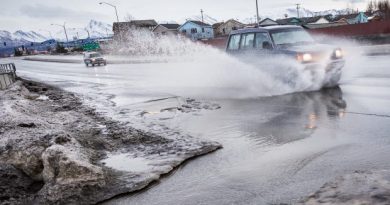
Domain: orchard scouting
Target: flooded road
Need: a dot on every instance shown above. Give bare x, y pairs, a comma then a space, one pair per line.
275, 149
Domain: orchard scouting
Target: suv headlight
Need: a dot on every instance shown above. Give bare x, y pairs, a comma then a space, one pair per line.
304, 58
338, 53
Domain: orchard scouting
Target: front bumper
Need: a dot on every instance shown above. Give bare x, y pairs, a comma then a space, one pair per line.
330, 66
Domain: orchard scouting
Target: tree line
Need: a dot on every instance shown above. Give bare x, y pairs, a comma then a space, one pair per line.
383, 6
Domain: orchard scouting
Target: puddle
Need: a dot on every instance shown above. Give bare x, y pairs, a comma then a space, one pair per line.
125, 162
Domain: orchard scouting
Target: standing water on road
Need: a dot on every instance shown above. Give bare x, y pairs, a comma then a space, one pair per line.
276, 149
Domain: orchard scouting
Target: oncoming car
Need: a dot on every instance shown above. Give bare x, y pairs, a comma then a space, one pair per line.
94, 58
292, 42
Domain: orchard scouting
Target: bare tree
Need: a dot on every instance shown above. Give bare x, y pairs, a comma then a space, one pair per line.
129, 17
370, 7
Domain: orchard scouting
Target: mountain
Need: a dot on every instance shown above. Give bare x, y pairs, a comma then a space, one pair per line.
292, 12
95, 28
308, 13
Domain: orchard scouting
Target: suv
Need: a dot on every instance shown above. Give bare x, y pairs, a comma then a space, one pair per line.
290, 41
94, 58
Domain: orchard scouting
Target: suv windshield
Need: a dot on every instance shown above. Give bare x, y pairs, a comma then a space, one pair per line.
293, 36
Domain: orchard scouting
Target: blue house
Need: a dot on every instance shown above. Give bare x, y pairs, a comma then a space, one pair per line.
357, 18
196, 30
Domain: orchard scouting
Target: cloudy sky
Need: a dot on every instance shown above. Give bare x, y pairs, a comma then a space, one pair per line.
39, 14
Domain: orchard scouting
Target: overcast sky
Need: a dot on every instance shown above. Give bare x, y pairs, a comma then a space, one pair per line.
39, 14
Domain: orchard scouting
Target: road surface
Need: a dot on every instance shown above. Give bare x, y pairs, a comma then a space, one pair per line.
277, 149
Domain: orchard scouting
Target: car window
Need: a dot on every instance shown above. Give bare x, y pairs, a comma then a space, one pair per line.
94, 55
293, 36
247, 41
260, 39
234, 43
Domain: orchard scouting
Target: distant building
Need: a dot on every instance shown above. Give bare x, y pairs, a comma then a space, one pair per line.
166, 29
290, 21
357, 18
224, 28
268, 22
315, 20
123, 27
197, 30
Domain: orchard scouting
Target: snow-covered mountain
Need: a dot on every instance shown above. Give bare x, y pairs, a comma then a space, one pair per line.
95, 28
292, 12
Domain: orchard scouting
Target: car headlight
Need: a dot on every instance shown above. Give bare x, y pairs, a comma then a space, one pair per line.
304, 58
338, 53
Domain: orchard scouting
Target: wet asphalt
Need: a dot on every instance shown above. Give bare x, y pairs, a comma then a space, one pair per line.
277, 149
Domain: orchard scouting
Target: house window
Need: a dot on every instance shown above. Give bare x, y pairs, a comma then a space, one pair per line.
184, 31
194, 30
202, 30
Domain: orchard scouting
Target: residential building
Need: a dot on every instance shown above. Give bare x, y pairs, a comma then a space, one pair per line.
224, 28
123, 27
268, 22
315, 20
196, 30
356, 18
166, 29
290, 21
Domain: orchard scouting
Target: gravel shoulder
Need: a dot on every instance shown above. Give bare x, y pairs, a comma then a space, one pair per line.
54, 149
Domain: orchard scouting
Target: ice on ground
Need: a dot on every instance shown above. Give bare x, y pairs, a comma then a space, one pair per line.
128, 163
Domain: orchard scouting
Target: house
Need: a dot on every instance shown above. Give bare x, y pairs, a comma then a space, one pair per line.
224, 28
376, 16
315, 20
268, 22
120, 28
196, 30
290, 21
166, 29
356, 18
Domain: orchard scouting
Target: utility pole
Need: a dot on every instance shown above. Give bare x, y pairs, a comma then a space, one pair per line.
298, 7
201, 12
257, 12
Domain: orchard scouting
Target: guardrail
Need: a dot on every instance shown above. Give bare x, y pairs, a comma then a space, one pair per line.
7, 75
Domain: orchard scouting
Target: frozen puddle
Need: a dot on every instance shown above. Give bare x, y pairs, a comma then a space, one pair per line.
125, 162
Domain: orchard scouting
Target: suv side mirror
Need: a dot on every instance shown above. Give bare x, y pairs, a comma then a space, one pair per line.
267, 45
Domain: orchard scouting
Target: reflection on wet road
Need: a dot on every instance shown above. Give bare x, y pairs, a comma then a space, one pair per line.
276, 149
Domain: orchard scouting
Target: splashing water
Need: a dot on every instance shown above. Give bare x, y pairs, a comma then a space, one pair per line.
194, 69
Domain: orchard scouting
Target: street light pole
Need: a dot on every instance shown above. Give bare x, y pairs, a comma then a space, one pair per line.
63, 26
116, 11
257, 12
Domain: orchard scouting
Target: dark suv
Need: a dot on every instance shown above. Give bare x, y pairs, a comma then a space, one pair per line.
292, 42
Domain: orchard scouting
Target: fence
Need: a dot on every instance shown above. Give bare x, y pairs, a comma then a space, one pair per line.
7, 75
363, 29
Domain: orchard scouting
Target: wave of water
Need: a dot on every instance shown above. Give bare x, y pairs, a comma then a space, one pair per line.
197, 70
